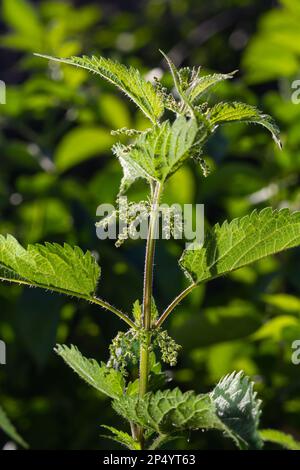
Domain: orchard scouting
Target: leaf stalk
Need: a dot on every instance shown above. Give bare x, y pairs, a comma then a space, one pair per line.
174, 304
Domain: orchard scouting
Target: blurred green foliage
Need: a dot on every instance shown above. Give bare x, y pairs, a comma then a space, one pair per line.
56, 168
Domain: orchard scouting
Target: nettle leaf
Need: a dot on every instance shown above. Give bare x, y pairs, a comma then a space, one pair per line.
239, 409
241, 242
169, 411
161, 440
137, 312
277, 437
9, 429
49, 266
104, 379
190, 85
122, 438
127, 79
159, 153
201, 85
223, 113
177, 79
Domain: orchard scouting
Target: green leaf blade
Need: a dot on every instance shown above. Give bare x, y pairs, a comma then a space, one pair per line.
104, 379
127, 79
241, 242
51, 265
277, 437
174, 73
9, 429
202, 84
122, 438
238, 409
223, 113
156, 155
169, 411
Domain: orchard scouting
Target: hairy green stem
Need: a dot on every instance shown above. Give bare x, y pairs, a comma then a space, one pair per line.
173, 304
144, 362
114, 310
149, 258
147, 294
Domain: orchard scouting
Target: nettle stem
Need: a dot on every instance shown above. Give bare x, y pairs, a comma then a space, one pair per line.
174, 304
116, 311
147, 294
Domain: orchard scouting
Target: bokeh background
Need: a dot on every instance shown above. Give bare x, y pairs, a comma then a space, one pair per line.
56, 168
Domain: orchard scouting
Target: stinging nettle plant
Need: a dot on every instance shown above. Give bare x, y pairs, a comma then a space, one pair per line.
155, 413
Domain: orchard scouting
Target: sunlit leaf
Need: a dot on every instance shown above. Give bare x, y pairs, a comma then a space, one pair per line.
274, 328
175, 75
273, 52
122, 438
223, 113
283, 302
168, 411
157, 154
277, 437
241, 242
129, 80
104, 379
114, 111
53, 213
80, 144
202, 84
23, 17
239, 409
62, 268
10, 430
